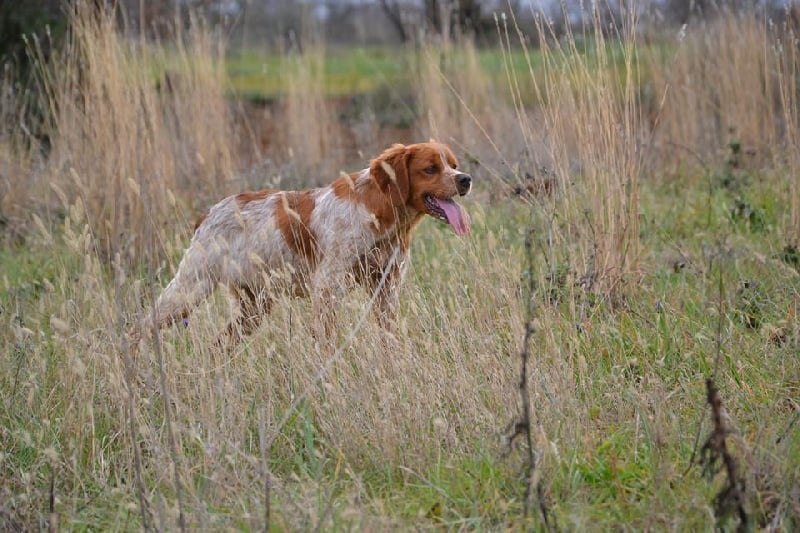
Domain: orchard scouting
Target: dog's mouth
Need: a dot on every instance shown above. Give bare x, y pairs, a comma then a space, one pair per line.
446, 210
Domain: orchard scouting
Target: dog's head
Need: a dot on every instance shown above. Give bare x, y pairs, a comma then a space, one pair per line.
424, 177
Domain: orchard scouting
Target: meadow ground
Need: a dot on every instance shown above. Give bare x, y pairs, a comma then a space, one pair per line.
636, 211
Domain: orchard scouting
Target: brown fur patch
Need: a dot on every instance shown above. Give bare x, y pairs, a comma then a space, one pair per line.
370, 196
251, 196
390, 171
293, 216
386, 193
200, 221
241, 199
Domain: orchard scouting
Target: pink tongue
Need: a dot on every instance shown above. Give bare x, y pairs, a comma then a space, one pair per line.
457, 217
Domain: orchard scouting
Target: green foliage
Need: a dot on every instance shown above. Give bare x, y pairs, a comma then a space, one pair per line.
32, 19
351, 71
791, 256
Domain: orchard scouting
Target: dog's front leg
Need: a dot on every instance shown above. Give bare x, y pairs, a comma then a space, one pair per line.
387, 306
323, 305
327, 288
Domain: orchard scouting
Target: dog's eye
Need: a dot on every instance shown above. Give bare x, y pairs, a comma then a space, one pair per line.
433, 169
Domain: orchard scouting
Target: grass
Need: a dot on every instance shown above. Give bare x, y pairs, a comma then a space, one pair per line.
348, 71
618, 403
410, 433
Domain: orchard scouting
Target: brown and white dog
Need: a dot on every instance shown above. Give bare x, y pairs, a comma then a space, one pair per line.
318, 241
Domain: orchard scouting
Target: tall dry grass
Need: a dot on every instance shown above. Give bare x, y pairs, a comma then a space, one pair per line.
457, 101
312, 140
588, 133
710, 101
135, 128
731, 81
787, 72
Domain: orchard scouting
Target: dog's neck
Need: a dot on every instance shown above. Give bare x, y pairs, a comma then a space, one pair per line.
390, 222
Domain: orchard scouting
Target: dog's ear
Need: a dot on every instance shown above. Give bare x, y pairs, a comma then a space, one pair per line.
390, 171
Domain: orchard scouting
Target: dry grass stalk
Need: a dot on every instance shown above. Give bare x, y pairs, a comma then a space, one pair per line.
732, 78
787, 71
523, 425
455, 94
709, 100
313, 139
592, 116
125, 137
18, 147
435, 102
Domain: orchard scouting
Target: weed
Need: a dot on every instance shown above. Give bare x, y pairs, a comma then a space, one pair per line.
715, 456
791, 256
747, 216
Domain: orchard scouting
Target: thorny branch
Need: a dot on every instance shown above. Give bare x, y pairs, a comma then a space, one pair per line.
522, 426
715, 451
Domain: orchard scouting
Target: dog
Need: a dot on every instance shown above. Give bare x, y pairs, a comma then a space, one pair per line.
318, 242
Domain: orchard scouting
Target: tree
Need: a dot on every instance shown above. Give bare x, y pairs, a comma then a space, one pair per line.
19, 20
440, 17
394, 12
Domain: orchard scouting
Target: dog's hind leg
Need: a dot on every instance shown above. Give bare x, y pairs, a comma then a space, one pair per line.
179, 299
188, 288
253, 305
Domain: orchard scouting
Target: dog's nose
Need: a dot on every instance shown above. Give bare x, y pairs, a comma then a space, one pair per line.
463, 183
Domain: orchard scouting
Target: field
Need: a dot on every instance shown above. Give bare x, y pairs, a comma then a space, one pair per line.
634, 244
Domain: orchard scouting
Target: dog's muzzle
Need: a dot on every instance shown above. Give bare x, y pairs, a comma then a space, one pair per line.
463, 184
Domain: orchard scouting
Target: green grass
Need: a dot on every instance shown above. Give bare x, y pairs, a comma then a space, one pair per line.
617, 441
346, 72
352, 71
